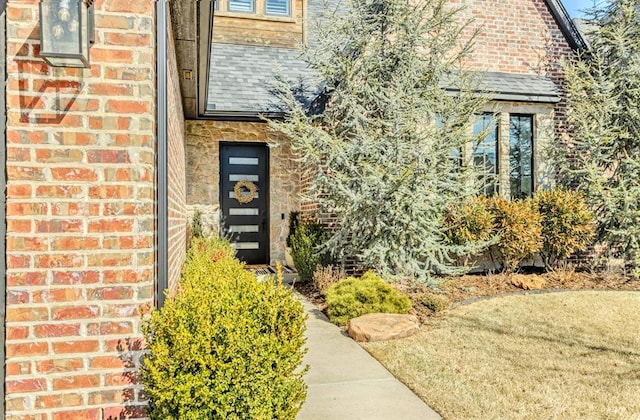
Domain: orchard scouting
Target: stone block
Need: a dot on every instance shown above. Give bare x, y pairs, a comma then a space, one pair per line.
382, 327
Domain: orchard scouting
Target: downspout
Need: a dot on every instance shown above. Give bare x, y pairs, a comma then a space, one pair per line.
3, 187
162, 224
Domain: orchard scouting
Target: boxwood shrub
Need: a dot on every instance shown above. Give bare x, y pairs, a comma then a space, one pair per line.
567, 224
225, 346
354, 297
517, 225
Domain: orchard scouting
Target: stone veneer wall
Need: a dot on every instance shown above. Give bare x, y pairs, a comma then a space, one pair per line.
543, 134
203, 175
80, 216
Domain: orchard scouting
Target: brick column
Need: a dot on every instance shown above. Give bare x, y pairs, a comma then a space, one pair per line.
80, 216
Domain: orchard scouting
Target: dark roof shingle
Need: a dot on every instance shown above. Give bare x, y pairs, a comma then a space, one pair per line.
242, 77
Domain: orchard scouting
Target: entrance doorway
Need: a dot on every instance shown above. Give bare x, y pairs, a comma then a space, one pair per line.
244, 199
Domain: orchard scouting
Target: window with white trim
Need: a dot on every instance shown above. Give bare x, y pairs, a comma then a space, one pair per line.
275, 8
244, 6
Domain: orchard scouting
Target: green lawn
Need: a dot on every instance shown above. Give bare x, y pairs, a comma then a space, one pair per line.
569, 355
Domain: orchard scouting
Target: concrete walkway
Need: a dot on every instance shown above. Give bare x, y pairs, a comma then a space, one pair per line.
346, 383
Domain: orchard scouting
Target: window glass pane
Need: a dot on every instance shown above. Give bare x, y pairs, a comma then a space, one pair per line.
241, 177
521, 156
242, 6
455, 153
277, 7
485, 152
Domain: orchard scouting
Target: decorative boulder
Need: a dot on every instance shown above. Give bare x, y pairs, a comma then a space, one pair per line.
382, 327
529, 282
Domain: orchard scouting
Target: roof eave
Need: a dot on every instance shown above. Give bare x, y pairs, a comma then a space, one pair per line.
566, 25
513, 97
245, 116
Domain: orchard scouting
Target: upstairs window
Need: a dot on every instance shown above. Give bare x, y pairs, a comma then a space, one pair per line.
277, 7
245, 6
257, 7
521, 156
485, 153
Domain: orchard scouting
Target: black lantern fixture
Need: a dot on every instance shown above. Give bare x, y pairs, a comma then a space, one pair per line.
66, 32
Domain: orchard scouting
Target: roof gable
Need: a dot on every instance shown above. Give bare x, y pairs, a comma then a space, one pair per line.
566, 25
242, 76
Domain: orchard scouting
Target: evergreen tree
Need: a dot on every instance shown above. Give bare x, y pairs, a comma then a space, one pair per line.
603, 157
383, 149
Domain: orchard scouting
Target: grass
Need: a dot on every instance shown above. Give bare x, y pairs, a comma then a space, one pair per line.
563, 355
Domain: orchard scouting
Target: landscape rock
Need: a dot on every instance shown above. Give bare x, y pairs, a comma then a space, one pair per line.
530, 282
382, 327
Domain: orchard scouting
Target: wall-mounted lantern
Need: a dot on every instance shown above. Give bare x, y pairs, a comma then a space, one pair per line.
66, 32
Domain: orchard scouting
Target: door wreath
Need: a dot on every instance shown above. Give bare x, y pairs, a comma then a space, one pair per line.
245, 191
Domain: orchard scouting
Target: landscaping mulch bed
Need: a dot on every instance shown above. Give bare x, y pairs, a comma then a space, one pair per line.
312, 294
463, 288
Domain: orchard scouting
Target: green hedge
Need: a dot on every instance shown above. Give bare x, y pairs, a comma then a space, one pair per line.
225, 346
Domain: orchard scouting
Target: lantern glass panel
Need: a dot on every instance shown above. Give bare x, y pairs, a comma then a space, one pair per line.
64, 32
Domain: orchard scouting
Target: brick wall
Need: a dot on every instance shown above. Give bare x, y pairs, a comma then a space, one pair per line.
80, 216
517, 36
177, 235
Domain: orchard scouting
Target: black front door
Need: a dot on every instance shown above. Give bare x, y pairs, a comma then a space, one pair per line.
244, 187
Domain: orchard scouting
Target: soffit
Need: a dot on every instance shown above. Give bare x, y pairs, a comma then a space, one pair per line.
192, 22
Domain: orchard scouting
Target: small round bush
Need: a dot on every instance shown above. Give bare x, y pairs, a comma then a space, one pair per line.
435, 302
469, 225
519, 229
354, 297
567, 224
225, 346
469, 222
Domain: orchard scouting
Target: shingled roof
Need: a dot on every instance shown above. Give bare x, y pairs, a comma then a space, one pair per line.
515, 87
242, 76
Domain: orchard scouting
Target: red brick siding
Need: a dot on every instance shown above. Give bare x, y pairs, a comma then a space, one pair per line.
517, 36
80, 216
177, 237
